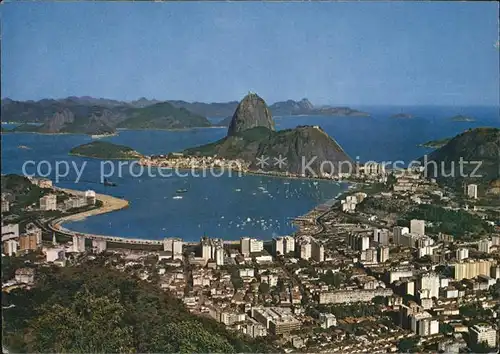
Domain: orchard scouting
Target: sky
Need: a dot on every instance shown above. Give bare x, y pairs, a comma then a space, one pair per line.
357, 53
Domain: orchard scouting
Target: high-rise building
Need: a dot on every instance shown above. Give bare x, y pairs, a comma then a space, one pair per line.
245, 246
383, 254
174, 245
484, 333
10, 230
484, 245
283, 245
28, 242
48, 202
90, 197
305, 248
250, 245
10, 247
462, 253
431, 283
417, 227
317, 250
34, 230
78, 243
278, 246
358, 242
219, 255
5, 206
99, 245
472, 191
399, 231
471, 269
370, 255
212, 249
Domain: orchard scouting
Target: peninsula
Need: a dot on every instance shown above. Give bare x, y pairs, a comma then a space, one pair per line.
462, 118
434, 144
105, 150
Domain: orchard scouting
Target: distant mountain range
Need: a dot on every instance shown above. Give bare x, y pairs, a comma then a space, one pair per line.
86, 115
90, 115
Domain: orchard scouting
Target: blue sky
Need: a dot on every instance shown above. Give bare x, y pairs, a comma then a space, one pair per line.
358, 53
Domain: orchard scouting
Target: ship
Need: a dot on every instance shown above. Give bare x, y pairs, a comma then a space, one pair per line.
181, 191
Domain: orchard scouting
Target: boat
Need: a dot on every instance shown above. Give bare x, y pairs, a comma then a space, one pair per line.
181, 191
108, 183
177, 197
237, 190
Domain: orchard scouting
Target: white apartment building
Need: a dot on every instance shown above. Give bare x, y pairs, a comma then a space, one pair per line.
417, 227
484, 333
472, 191
48, 202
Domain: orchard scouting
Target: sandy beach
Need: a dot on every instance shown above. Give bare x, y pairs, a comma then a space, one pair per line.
109, 204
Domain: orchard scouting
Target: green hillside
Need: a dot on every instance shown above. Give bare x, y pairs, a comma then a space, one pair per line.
105, 150
163, 116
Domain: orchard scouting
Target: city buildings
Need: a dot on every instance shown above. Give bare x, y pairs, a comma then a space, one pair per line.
472, 191
10, 247
10, 230
358, 241
484, 245
470, 269
54, 254
90, 197
462, 253
5, 206
398, 231
99, 246
327, 320
423, 324
383, 254
417, 227
250, 245
283, 245
347, 296
25, 275
311, 248
278, 320
212, 249
431, 283
483, 333
28, 242
48, 202
78, 243
173, 245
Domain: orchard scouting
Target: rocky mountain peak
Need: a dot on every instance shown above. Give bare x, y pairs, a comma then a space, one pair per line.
251, 112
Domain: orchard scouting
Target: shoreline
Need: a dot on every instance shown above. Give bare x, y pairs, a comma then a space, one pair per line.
111, 204
105, 159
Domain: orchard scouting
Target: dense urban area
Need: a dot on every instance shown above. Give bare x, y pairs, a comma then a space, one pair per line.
396, 264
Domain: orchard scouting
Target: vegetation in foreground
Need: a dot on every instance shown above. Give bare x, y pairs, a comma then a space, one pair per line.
94, 309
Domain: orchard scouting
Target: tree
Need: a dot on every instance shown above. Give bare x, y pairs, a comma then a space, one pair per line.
407, 345
264, 288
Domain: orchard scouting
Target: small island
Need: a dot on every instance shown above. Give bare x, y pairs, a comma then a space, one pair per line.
105, 150
462, 118
435, 144
402, 116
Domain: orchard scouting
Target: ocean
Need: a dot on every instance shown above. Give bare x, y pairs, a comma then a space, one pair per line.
230, 207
